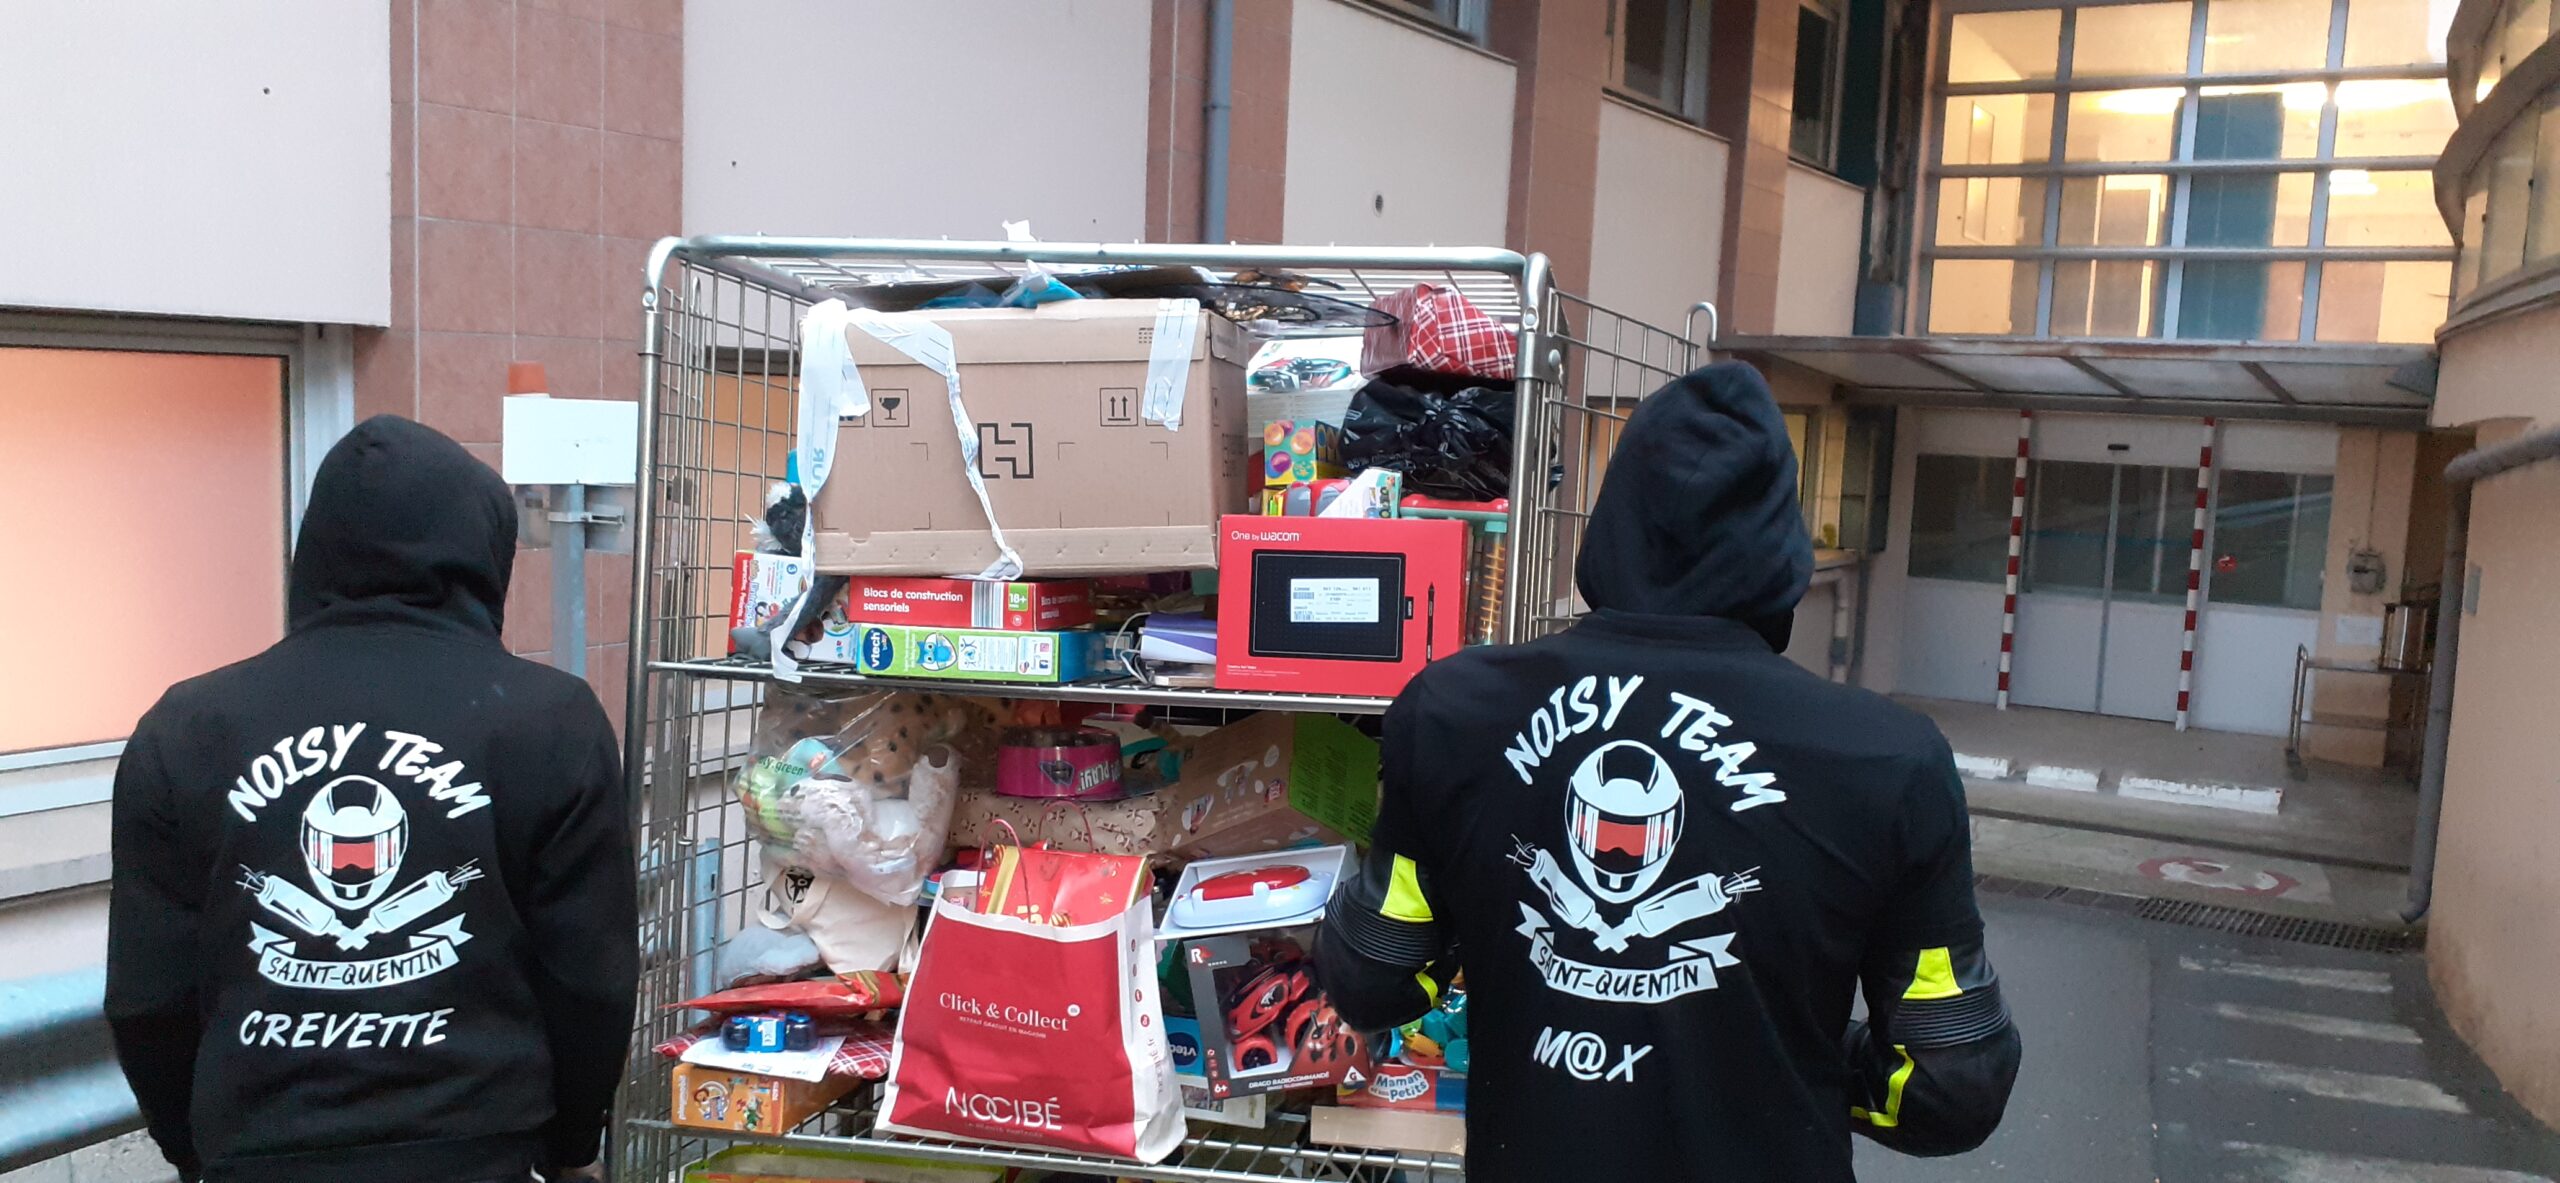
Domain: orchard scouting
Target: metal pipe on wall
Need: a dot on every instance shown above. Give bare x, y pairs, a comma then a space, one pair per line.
2467, 470
1213, 133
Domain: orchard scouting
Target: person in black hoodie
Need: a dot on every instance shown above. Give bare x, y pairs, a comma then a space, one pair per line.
1667, 857
373, 914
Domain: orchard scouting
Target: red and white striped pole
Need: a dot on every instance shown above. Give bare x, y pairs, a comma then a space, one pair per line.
2017, 545
2195, 576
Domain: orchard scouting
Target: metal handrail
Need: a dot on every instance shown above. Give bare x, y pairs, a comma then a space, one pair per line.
60, 1088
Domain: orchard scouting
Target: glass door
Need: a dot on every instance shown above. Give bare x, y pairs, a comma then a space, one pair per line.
2062, 584
2103, 587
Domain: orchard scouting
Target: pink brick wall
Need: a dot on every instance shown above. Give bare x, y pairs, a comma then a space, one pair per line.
536, 155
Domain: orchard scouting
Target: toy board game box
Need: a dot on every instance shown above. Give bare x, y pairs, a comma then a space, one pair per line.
1021, 605
977, 655
725, 1099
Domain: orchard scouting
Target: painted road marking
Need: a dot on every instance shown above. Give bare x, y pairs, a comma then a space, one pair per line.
1983, 767
2219, 875
2054, 776
2338, 1085
2317, 1024
2311, 1166
2361, 981
2245, 798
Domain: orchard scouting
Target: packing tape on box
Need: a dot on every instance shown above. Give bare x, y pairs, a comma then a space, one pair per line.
1169, 362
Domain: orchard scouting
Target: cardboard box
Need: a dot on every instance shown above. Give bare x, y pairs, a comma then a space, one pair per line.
761, 585
1081, 481
1388, 1129
1023, 605
1338, 605
971, 654
1295, 452
723, 1099
1394, 1084
1129, 826
1271, 781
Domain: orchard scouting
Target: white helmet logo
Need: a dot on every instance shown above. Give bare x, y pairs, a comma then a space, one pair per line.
354, 834
1623, 816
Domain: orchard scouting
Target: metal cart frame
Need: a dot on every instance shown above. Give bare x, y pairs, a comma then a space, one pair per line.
719, 345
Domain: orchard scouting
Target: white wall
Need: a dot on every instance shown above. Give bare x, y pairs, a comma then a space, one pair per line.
2244, 665
1809, 643
219, 160
1818, 254
1396, 137
1657, 219
880, 119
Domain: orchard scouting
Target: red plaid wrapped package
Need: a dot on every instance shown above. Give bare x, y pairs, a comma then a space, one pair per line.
1438, 330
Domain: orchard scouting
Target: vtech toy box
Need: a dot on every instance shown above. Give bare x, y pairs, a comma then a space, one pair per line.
978, 655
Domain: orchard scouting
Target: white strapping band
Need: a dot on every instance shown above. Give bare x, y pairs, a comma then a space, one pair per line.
1169, 362
929, 345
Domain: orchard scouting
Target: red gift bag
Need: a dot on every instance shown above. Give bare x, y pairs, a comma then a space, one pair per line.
1438, 330
1036, 1035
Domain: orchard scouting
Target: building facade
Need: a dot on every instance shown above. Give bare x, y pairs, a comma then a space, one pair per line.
2495, 939
2153, 287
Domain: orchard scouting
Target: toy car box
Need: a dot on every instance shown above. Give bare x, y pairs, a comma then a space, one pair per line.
1245, 929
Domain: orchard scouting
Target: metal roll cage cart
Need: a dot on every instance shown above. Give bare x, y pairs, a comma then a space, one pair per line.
720, 348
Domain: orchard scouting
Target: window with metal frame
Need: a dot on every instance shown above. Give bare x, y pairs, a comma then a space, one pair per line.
2270, 538
2241, 170
1658, 54
197, 442
1960, 518
1822, 28
1466, 18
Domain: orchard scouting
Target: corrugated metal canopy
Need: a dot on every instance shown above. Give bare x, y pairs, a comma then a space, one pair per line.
2390, 385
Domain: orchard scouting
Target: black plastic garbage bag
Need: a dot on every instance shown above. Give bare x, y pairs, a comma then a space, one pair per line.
1449, 435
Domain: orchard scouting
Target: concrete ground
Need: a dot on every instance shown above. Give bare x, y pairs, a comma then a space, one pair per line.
2085, 771
2156, 1052
129, 1159
2175, 869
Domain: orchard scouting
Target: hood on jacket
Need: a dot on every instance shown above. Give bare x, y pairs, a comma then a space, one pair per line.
404, 523
1697, 515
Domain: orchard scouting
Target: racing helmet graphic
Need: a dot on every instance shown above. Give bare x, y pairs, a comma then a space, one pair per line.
1623, 815
354, 834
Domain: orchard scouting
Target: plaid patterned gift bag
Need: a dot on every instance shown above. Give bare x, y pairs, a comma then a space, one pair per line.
1437, 329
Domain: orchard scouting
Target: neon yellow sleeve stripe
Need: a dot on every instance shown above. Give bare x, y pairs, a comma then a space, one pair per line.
1892, 1115
1405, 901
1430, 989
1934, 977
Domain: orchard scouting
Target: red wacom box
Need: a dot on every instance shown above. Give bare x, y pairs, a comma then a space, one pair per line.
1337, 605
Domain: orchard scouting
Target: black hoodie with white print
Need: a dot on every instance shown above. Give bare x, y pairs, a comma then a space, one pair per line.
373, 913
1666, 858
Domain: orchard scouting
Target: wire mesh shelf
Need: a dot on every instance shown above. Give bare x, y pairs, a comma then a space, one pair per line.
1226, 1157
1114, 691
